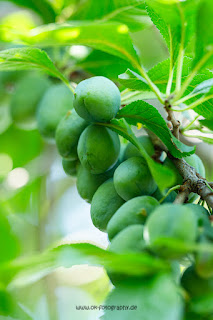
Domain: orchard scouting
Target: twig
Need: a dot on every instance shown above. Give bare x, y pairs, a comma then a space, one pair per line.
173, 120
196, 183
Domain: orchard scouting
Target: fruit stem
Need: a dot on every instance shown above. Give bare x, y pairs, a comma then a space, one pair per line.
168, 192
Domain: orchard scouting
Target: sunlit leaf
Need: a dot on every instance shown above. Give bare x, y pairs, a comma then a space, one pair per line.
112, 38
148, 299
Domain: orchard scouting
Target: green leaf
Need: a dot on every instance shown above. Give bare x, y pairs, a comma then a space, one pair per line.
103, 64
28, 59
163, 176
9, 243
205, 139
153, 298
203, 87
159, 74
129, 12
131, 96
202, 304
42, 7
133, 80
142, 112
204, 41
28, 270
174, 21
112, 38
207, 123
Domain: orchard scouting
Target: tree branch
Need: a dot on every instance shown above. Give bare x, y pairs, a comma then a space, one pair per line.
172, 119
195, 182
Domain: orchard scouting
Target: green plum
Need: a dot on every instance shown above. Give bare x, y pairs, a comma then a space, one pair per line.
202, 216
134, 211
194, 284
105, 203
26, 97
55, 104
204, 259
70, 167
88, 183
132, 178
171, 222
97, 99
131, 151
98, 148
68, 133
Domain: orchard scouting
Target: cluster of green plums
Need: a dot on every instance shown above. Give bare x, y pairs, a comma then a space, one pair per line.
114, 177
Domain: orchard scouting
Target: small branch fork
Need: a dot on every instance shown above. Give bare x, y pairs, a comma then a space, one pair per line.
193, 182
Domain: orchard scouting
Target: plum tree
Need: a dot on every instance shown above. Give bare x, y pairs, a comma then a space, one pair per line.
24, 101
132, 178
105, 203
131, 151
170, 222
134, 211
98, 148
97, 99
68, 133
56, 102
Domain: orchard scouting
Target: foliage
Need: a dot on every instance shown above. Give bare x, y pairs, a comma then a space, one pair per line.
103, 33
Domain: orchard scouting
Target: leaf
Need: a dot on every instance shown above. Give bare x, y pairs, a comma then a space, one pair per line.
129, 12
204, 40
207, 123
205, 139
133, 80
112, 38
148, 299
203, 87
42, 7
103, 64
24, 271
9, 243
142, 112
28, 59
163, 176
202, 304
159, 74
130, 96
175, 21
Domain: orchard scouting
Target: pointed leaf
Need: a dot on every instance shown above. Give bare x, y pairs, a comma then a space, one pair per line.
112, 38
142, 112
151, 298
203, 87
27, 59
42, 7
207, 123
204, 42
175, 20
